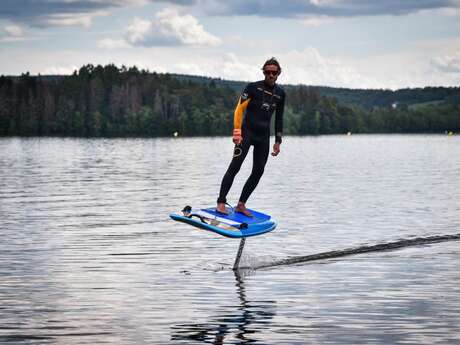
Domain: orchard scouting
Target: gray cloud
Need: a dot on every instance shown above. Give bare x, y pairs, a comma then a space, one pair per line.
42, 13
308, 8
57, 12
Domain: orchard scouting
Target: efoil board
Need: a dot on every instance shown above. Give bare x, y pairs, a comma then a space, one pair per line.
234, 225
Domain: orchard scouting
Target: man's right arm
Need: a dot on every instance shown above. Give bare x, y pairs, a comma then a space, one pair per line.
243, 102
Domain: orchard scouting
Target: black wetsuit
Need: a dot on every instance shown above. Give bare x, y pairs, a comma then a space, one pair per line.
260, 101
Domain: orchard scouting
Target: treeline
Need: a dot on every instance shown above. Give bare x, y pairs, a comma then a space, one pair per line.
370, 99
112, 101
310, 113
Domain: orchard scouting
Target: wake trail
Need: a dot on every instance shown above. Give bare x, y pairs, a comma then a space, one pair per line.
359, 250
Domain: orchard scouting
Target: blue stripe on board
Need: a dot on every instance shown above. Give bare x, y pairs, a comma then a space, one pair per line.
257, 225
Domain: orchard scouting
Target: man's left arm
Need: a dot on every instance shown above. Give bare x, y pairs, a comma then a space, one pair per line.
279, 126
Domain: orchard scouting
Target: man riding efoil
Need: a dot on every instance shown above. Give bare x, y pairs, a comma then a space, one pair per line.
252, 117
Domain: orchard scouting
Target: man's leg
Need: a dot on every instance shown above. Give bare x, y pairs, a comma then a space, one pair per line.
261, 151
233, 169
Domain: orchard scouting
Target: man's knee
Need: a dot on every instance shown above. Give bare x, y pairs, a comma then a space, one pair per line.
235, 166
258, 171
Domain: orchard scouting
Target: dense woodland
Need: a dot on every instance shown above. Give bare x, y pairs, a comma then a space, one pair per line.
112, 101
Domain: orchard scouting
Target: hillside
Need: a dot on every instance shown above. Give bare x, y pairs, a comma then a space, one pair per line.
364, 98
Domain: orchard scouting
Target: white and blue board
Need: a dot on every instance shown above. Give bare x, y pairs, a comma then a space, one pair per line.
234, 225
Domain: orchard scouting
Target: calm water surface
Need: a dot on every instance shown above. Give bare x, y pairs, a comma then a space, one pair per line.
88, 254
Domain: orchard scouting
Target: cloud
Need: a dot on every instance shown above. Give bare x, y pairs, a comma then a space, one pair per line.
45, 13
60, 70
14, 31
112, 44
316, 21
226, 66
311, 8
447, 64
305, 66
309, 67
76, 19
169, 28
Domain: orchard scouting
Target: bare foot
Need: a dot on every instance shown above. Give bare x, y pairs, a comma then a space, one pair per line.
221, 208
241, 208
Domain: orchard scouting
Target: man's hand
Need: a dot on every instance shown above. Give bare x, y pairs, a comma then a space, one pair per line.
276, 149
237, 138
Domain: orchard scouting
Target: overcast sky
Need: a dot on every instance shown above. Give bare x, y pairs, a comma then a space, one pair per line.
354, 43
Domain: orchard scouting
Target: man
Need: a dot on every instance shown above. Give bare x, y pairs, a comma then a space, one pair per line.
252, 127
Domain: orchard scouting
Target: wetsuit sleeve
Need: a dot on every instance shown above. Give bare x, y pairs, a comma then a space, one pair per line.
243, 102
279, 120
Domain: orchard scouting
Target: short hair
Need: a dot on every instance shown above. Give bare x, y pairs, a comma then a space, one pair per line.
272, 61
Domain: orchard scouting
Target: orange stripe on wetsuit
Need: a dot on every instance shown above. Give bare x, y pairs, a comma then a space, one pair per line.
238, 116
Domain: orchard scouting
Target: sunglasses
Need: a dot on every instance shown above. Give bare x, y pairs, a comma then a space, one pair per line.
268, 72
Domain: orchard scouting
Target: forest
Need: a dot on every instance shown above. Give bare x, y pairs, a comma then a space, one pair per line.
111, 101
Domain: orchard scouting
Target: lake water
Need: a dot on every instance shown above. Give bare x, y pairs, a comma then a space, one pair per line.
88, 254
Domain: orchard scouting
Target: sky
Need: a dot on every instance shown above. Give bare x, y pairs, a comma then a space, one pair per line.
387, 44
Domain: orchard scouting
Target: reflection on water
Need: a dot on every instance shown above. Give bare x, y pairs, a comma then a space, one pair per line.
234, 324
88, 254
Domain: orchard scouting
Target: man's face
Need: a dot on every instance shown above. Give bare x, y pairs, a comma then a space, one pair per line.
271, 74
